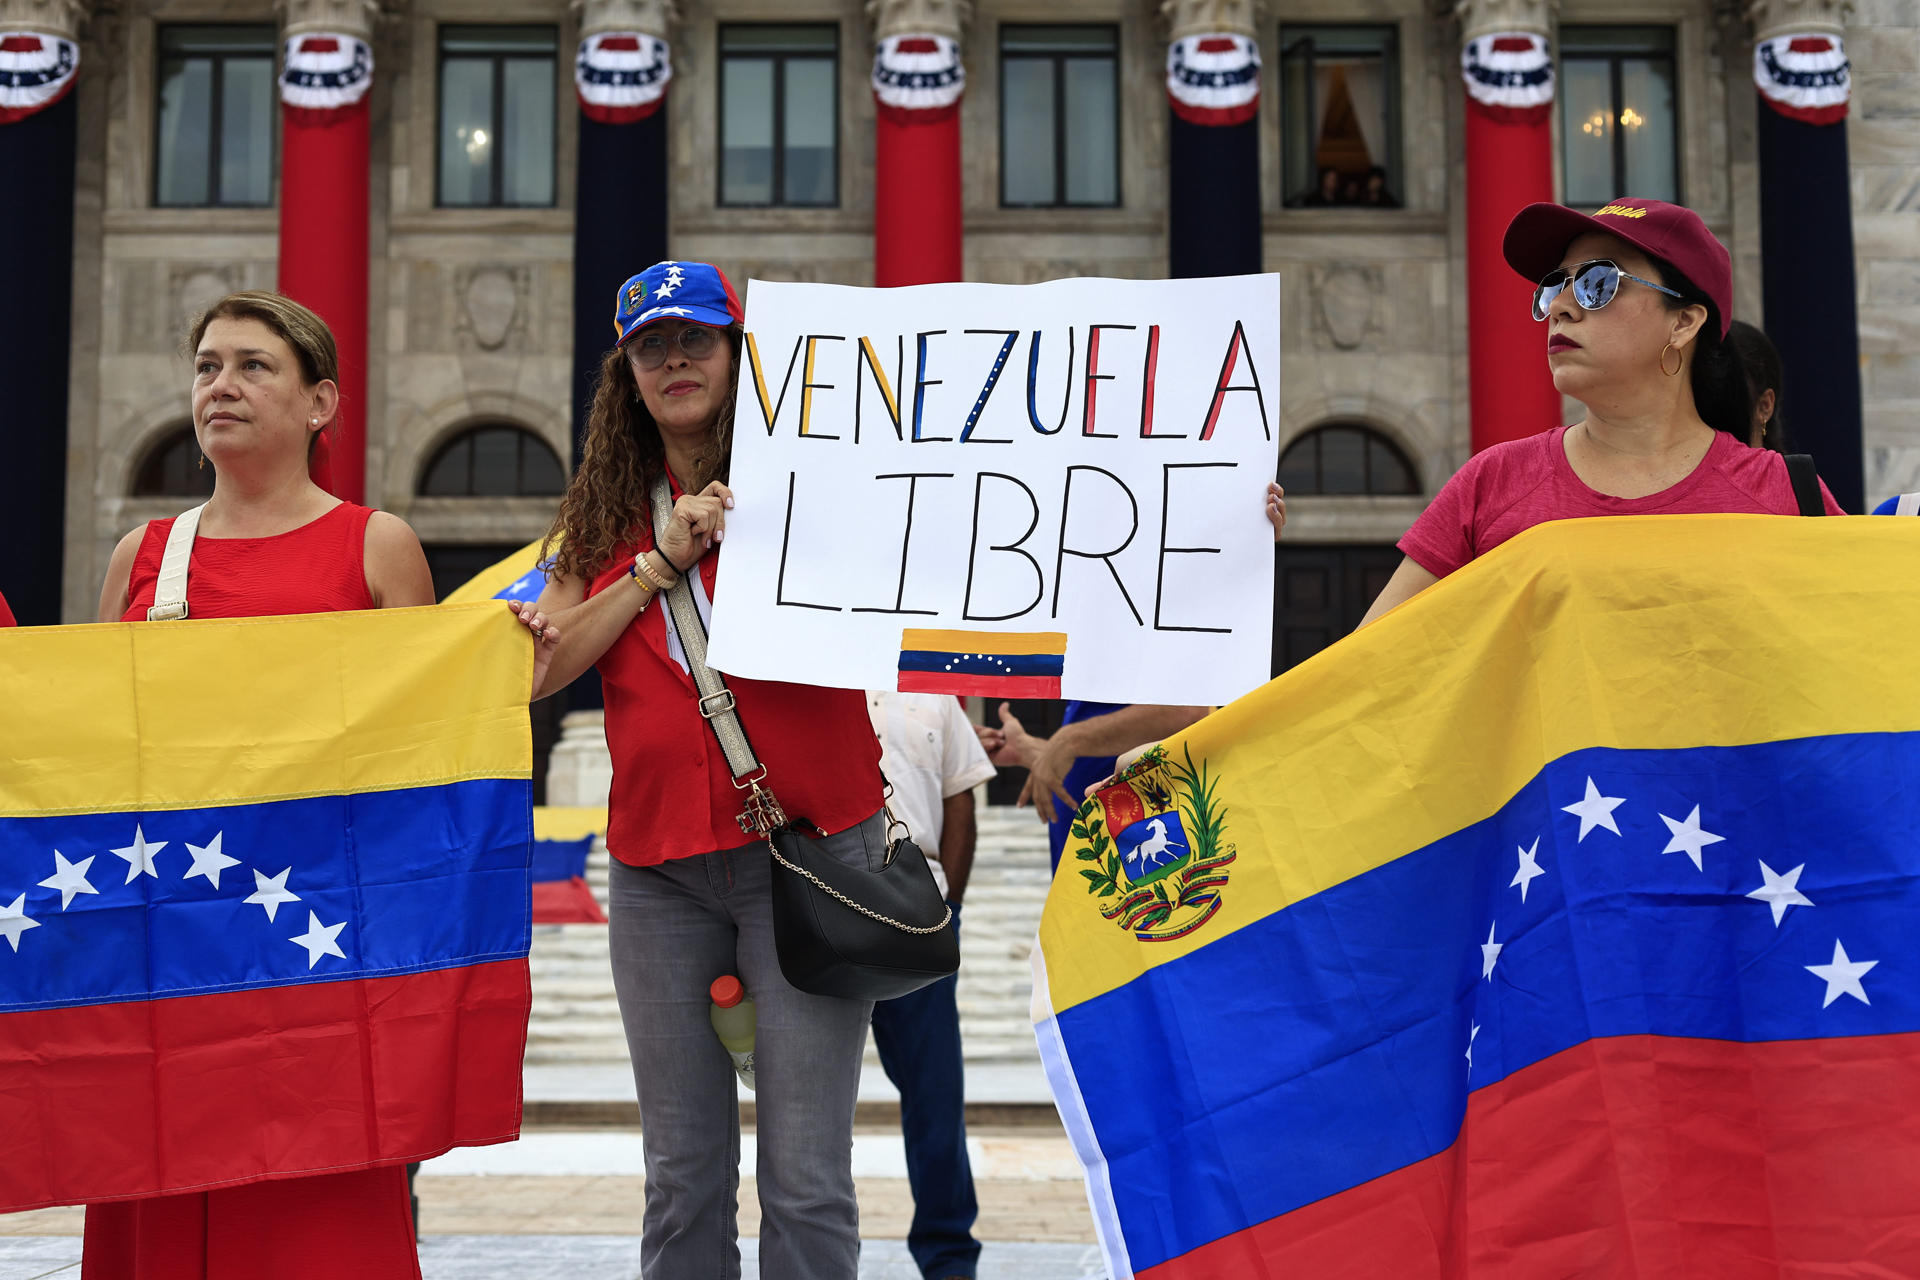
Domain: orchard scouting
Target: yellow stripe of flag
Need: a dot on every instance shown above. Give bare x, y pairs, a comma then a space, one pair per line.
1005, 643
1630, 632
156, 715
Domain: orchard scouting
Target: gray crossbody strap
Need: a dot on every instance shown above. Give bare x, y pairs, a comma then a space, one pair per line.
170, 591
716, 700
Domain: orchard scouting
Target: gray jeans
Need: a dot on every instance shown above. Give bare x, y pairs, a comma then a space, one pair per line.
676, 927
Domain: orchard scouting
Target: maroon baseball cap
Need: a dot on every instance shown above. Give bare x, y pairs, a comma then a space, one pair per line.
1539, 234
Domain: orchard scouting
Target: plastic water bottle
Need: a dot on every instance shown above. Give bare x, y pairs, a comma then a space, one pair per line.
732, 1015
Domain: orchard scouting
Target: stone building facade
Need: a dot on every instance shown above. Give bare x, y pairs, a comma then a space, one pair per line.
470, 315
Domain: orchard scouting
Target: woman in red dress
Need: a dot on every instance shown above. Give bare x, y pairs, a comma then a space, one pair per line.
270, 541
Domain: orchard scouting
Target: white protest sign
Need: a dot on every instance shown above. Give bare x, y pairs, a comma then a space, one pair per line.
1052, 490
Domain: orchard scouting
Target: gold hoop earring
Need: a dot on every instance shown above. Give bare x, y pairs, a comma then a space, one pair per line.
1678, 361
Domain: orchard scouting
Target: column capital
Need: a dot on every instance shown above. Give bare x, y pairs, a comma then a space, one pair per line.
347, 17
1484, 17
1769, 18
649, 17
919, 18
1212, 17
44, 17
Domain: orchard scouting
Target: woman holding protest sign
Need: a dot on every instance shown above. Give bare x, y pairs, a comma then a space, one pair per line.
1636, 299
691, 888
269, 541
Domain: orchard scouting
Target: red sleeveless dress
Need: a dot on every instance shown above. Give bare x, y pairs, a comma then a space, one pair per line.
315, 1228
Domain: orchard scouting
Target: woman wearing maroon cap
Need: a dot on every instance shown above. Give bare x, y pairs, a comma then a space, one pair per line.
691, 893
1635, 300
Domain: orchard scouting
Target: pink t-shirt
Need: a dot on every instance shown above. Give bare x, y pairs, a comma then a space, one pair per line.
1514, 486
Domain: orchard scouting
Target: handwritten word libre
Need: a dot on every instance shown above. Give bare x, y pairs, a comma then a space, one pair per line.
1079, 361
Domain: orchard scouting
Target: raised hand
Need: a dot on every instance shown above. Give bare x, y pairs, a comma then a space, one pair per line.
698, 523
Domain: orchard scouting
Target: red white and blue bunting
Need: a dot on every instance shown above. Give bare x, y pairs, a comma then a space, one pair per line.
1214, 79
326, 74
36, 71
1509, 76
622, 76
1805, 77
918, 79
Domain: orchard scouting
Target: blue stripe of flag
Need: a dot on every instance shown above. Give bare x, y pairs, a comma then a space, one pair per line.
424, 878
1340, 1026
983, 664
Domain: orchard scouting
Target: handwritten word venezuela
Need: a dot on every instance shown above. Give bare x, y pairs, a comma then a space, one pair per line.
951, 395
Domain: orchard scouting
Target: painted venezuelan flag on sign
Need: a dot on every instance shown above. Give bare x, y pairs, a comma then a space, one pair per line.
992, 664
263, 898
1569, 932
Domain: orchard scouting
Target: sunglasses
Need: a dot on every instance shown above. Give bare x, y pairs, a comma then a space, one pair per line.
696, 342
1594, 285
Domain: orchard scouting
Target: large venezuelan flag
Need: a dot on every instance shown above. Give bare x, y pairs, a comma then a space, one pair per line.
263, 898
1568, 930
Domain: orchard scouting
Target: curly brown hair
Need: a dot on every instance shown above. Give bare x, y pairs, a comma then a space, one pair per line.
606, 504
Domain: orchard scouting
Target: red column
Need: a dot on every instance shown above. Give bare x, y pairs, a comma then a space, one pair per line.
1509, 79
323, 225
917, 83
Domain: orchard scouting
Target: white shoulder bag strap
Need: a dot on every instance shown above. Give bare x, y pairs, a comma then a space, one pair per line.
170, 592
1909, 505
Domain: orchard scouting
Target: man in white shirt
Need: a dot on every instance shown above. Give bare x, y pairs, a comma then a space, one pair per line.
931, 755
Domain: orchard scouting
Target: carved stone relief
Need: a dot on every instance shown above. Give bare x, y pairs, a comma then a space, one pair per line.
492, 304
1344, 296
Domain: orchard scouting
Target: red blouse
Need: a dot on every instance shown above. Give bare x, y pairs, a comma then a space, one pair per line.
673, 795
321, 567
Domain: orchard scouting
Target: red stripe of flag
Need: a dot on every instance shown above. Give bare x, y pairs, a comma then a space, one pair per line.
982, 686
1647, 1157
320, 44
1215, 44
917, 44
620, 44
118, 1101
1512, 44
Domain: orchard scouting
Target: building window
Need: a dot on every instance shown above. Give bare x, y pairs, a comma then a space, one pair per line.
1340, 116
214, 140
497, 94
780, 116
172, 468
1059, 116
494, 461
1341, 459
1617, 105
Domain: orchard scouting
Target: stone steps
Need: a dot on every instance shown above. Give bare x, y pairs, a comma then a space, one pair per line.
576, 1020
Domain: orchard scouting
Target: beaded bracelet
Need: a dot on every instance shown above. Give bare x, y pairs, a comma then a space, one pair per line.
647, 576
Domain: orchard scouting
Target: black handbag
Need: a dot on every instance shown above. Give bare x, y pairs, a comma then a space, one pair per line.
839, 930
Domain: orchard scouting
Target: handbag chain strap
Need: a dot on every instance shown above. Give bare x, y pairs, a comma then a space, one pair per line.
946, 913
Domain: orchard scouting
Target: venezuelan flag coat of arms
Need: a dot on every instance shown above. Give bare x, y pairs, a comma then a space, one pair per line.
1155, 849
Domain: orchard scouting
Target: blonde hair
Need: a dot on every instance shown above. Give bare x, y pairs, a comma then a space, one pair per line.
306, 333
606, 502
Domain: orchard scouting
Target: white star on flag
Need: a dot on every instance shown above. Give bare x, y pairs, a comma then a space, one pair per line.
69, 878
1688, 838
14, 921
1595, 810
209, 862
1529, 869
319, 940
1781, 891
1489, 954
139, 855
1842, 976
271, 891
1471, 1037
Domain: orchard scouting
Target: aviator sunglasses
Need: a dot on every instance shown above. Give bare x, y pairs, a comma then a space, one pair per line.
1594, 285
696, 342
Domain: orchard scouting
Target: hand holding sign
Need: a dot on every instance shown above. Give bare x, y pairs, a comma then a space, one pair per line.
1056, 486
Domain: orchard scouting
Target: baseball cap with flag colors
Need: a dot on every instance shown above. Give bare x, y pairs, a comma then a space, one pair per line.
694, 291
1539, 235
